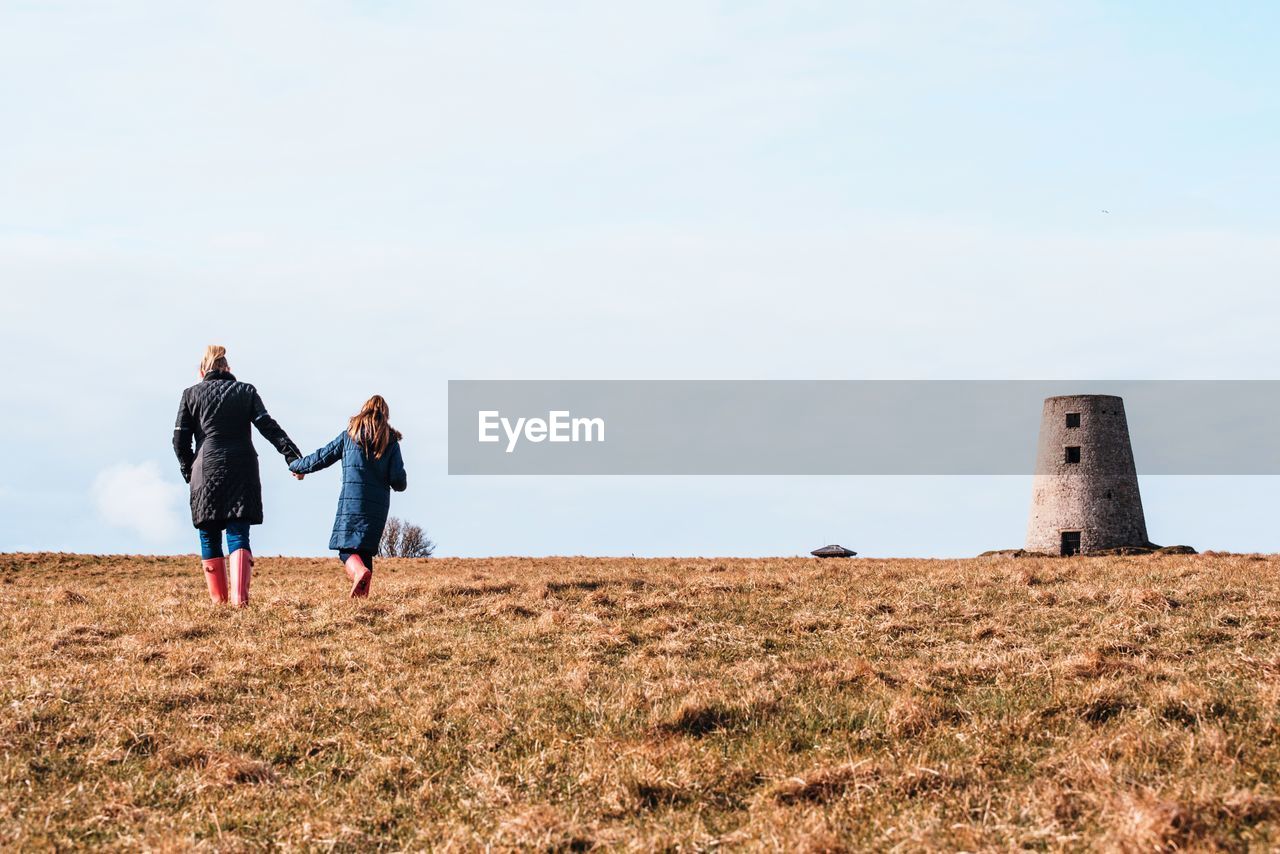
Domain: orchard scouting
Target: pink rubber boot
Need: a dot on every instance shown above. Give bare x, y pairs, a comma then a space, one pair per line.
241, 573
360, 576
215, 575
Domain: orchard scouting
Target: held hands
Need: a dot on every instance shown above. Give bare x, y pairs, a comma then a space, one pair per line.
298, 476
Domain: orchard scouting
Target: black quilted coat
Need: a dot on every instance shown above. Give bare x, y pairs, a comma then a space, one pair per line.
223, 468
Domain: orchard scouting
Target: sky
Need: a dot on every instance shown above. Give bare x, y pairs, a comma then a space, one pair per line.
379, 197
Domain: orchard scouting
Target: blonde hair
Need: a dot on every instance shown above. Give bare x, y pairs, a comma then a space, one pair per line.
370, 429
215, 359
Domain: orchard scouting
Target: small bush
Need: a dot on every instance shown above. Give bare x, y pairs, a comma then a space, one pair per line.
403, 539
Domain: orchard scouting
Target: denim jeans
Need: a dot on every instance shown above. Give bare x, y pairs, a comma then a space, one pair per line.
211, 540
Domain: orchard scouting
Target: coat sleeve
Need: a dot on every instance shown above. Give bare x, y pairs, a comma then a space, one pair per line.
399, 480
183, 434
321, 459
273, 432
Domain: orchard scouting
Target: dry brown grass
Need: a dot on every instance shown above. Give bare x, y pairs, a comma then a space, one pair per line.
566, 704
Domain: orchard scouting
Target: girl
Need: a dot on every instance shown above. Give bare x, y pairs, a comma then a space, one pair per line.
226, 491
371, 468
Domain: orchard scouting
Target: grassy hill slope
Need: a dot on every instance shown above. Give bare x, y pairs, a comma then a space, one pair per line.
626, 703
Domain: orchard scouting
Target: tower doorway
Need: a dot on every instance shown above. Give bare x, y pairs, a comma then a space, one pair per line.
1070, 543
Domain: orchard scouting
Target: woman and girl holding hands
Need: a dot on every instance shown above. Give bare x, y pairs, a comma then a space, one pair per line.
226, 492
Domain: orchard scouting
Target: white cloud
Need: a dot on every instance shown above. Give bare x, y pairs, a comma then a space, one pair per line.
139, 498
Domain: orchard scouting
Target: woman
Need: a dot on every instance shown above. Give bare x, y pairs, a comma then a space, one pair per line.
226, 492
371, 467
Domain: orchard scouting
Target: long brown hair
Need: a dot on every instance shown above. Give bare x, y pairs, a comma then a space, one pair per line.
370, 429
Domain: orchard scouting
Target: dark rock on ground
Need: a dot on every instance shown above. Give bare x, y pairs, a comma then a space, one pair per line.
833, 551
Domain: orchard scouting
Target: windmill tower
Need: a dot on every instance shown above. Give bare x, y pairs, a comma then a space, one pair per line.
1085, 495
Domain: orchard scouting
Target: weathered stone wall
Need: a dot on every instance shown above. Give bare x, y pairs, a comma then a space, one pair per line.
1097, 496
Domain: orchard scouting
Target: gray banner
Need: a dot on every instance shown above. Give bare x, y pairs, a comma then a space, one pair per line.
715, 427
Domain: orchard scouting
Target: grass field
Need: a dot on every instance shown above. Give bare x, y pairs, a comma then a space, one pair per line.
565, 704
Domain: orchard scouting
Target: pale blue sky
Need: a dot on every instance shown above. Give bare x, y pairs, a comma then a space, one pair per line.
380, 197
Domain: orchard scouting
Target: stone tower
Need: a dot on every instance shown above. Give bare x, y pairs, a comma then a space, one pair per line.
1085, 495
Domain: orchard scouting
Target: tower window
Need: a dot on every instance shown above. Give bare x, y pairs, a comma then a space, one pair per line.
1073, 453
1073, 419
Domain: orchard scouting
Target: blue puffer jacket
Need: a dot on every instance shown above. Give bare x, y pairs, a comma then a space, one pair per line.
366, 490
